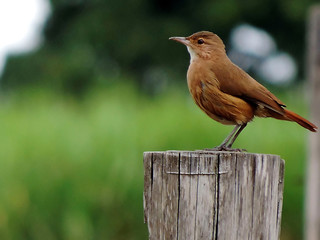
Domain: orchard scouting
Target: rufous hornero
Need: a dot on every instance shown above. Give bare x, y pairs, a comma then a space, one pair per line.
225, 92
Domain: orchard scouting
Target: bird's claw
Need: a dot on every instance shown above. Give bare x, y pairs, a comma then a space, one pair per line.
225, 148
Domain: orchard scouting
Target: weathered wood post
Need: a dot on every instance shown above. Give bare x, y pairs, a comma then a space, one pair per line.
212, 195
312, 203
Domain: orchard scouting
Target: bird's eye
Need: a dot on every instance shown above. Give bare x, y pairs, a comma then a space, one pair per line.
200, 41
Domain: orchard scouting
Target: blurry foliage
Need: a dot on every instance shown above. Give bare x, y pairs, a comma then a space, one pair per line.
90, 41
72, 169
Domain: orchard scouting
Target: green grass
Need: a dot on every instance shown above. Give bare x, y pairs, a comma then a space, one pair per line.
72, 169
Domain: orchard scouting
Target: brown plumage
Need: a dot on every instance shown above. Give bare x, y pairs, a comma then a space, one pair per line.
225, 92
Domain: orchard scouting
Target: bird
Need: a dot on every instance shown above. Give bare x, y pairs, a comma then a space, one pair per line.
225, 92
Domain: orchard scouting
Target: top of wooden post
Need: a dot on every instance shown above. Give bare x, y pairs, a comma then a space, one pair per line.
211, 152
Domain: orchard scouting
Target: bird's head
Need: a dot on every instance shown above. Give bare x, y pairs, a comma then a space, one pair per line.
202, 44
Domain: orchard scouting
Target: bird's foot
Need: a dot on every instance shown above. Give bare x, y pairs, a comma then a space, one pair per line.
225, 148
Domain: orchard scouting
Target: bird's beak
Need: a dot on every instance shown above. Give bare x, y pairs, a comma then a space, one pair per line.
182, 40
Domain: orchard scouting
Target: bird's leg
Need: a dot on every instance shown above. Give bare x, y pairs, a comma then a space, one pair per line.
236, 135
227, 139
223, 146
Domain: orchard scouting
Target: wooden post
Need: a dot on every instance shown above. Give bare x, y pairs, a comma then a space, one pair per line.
193, 195
312, 206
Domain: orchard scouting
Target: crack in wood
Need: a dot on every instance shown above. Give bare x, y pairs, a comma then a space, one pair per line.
217, 200
213, 173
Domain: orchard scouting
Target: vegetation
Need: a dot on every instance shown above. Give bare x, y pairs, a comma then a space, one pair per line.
72, 169
71, 157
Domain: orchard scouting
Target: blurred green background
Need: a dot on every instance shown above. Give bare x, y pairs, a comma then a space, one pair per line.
105, 85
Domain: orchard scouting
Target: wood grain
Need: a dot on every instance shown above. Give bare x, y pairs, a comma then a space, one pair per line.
192, 195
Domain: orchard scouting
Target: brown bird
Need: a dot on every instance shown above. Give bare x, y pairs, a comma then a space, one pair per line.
225, 92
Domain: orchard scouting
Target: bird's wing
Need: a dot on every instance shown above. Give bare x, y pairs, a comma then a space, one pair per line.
238, 83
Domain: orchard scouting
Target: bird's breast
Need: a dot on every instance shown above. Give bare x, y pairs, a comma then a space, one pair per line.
220, 106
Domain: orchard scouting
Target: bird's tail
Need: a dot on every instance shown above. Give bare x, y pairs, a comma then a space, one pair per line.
300, 120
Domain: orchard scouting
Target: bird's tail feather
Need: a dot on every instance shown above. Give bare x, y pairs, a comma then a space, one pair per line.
300, 120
